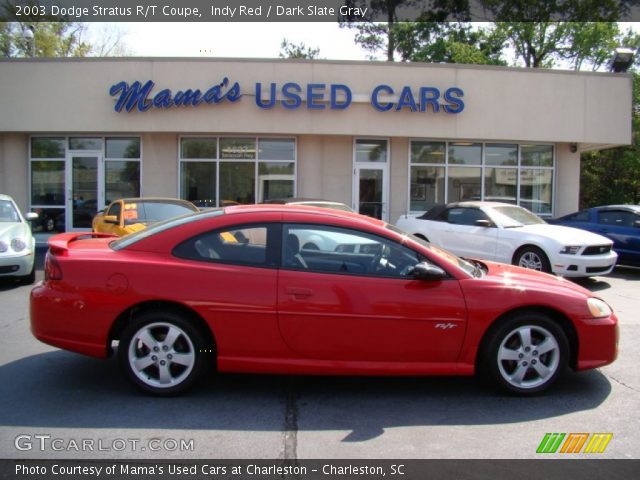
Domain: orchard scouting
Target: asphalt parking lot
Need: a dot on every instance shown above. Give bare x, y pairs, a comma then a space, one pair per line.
58, 404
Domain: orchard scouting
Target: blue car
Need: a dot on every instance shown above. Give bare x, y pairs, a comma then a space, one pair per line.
620, 223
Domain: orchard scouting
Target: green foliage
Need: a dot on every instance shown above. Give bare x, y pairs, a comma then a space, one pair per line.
52, 39
291, 50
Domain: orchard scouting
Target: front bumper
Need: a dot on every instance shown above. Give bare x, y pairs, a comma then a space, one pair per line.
583, 265
598, 342
16, 265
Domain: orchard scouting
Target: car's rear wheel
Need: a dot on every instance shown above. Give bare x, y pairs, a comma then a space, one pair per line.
533, 258
162, 353
526, 354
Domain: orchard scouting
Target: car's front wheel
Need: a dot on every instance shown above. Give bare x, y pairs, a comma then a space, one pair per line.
526, 354
533, 258
163, 353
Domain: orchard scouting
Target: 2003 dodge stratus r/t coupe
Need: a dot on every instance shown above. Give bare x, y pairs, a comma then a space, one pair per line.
233, 288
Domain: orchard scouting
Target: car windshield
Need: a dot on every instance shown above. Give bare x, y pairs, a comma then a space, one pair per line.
512, 216
151, 212
444, 254
8, 212
132, 238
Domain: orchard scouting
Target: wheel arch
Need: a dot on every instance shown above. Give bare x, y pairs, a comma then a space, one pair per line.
160, 305
524, 246
561, 319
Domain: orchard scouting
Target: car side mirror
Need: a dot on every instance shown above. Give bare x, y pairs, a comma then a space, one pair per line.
113, 219
30, 216
484, 223
427, 271
636, 224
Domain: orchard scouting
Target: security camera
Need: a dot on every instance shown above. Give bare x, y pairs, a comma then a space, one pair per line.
573, 148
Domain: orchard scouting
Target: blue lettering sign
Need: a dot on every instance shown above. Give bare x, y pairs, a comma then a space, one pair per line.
452, 95
138, 96
375, 102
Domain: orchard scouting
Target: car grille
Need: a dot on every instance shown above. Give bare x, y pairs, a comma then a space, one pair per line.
9, 269
597, 250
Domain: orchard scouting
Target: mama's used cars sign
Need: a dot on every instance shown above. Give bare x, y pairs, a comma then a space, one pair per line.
312, 96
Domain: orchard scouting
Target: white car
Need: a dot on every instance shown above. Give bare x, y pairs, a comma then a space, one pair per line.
506, 233
17, 245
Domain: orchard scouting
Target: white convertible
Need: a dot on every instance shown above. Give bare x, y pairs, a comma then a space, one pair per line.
507, 233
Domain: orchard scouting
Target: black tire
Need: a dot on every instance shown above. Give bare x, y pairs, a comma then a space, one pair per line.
525, 354
533, 258
151, 375
49, 224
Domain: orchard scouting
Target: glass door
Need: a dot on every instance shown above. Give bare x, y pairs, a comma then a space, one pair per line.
371, 191
84, 173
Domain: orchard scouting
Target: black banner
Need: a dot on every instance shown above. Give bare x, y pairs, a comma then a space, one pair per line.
317, 10
543, 469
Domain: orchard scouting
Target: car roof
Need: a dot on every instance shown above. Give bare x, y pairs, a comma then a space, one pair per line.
299, 200
5, 197
436, 210
297, 208
635, 208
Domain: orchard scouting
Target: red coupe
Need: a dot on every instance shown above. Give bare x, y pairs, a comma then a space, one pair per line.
299, 290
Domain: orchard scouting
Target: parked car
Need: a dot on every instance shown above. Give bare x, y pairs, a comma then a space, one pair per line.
510, 234
185, 295
619, 223
17, 245
128, 215
311, 202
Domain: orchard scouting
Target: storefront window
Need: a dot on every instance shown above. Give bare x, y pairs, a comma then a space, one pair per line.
465, 153
537, 155
275, 180
122, 179
123, 147
276, 149
238, 148
237, 183
47, 182
248, 179
198, 183
463, 184
199, 148
368, 150
499, 175
43, 147
536, 190
501, 155
500, 184
427, 187
428, 152
83, 143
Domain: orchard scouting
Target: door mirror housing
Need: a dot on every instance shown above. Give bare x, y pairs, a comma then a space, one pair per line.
30, 216
484, 223
427, 271
113, 219
636, 224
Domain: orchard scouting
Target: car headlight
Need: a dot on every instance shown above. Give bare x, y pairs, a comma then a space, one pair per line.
18, 244
573, 250
3, 247
598, 308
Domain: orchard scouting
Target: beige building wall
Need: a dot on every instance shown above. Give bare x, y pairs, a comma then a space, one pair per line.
567, 180
399, 178
14, 168
159, 165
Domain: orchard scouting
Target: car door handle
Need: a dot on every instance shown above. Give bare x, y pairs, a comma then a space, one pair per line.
299, 293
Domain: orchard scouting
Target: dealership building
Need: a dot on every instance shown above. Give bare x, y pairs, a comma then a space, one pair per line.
385, 138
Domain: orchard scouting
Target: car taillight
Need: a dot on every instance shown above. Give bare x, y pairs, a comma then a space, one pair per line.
52, 270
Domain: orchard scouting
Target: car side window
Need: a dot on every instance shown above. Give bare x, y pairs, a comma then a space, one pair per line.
620, 218
465, 216
115, 209
581, 216
326, 249
245, 245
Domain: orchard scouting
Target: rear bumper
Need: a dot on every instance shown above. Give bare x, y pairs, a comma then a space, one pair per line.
62, 319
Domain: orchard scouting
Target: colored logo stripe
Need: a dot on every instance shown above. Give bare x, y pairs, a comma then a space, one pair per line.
598, 442
550, 443
574, 442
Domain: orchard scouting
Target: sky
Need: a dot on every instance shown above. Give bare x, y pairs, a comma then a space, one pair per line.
233, 39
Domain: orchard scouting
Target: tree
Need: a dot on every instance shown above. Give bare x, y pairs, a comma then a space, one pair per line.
454, 42
52, 39
291, 50
375, 36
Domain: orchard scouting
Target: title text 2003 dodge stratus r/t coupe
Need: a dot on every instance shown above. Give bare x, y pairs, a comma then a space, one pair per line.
233, 288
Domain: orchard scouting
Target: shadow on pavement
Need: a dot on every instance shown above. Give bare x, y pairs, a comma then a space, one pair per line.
60, 389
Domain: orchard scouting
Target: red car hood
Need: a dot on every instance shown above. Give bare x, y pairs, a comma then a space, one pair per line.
523, 278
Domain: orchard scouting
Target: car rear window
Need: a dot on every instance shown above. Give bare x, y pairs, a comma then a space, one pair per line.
133, 238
